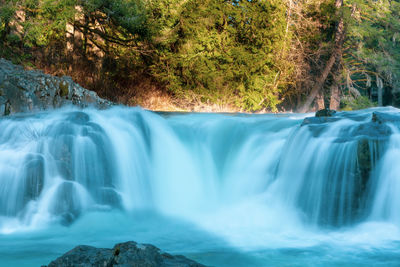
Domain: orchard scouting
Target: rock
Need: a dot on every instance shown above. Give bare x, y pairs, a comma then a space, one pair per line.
123, 254
25, 91
372, 126
325, 113
370, 130
380, 117
321, 116
319, 120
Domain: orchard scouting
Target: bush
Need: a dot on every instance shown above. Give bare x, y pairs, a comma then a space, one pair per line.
361, 102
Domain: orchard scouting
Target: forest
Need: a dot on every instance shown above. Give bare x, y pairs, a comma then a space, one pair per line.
235, 55
195, 133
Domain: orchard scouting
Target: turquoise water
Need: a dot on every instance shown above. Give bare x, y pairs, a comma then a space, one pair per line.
222, 189
180, 237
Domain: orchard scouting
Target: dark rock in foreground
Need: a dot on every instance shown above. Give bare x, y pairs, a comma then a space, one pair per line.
25, 91
123, 254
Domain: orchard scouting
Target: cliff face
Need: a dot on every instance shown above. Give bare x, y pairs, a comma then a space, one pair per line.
25, 91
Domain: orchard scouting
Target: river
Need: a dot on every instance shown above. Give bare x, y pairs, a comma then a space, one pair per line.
221, 189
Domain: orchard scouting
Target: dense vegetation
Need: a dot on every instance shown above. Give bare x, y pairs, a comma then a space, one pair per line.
248, 55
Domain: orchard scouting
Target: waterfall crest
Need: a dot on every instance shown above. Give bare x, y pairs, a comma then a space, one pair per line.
331, 173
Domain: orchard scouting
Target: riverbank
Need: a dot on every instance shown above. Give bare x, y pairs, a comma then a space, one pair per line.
27, 90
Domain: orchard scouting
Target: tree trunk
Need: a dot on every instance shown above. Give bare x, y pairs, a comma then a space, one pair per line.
380, 97
379, 85
16, 23
334, 102
320, 102
336, 53
70, 38
78, 35
6, 31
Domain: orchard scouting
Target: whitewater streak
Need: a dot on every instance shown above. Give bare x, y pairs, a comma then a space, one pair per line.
251, 180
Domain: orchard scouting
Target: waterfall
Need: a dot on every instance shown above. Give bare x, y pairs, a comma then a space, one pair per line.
58, 165
221, 172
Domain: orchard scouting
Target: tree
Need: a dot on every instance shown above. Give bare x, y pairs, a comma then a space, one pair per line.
224, 51
335, 55
371, 60
250, 55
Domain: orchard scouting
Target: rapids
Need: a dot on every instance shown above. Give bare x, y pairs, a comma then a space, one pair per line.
222, 189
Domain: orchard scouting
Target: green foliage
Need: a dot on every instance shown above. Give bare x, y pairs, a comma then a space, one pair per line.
46, 21
126, 18
225, 50
373, 43
7, 10
357, 103
249, 54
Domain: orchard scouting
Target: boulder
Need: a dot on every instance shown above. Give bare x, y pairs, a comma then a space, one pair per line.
325, 113
128, 254
30, 90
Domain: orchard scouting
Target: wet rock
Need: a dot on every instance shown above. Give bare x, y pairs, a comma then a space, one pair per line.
325, 113
365, 154
123, 254
321, 116
364, 162
319, 120
26, 91
367, 134
108, 196
372, 126
380, 117
369, 130
67, 205
34, 176
78, 117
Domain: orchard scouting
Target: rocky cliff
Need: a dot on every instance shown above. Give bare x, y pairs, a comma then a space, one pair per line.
30, 90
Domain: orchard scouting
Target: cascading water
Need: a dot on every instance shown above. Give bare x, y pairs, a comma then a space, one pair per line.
226, 190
